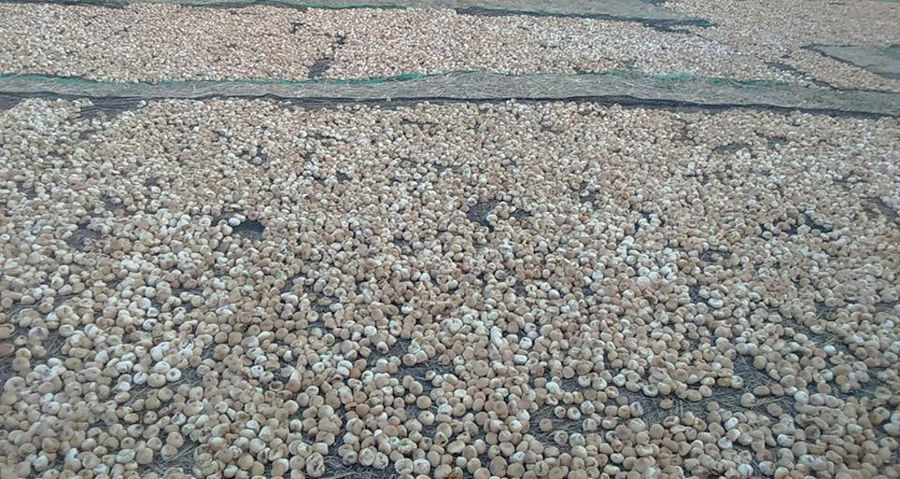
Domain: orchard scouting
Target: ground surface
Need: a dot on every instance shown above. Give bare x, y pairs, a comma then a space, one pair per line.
319, 286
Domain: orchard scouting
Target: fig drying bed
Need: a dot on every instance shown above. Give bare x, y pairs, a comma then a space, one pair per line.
649, 13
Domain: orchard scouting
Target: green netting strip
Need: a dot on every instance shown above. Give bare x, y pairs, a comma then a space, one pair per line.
631, 74
616, 86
